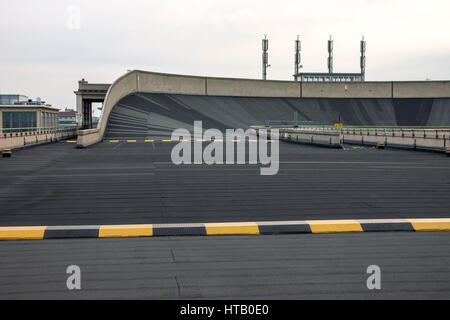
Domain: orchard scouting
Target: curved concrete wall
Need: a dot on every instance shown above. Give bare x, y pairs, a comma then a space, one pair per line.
134, 81
156, 115
151, 82
168, 83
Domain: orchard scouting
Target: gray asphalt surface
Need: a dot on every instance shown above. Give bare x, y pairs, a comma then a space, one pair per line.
125, 183
324, 266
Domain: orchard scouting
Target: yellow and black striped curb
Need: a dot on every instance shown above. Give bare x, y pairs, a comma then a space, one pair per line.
224, 228
169, 140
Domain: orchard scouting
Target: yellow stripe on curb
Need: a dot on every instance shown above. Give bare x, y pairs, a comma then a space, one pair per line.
113, 141
131, 140
126, 230
166, 140
330, 226
71, 141
17, 233
231, 228
430, 224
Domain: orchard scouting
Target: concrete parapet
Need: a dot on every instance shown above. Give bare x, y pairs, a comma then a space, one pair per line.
419, 139
169, 83
252, 88
412, 139
88, 137
22, 139
328, 138
346, 90
421, 89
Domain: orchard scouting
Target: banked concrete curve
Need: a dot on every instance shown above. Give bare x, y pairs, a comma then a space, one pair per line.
153, 82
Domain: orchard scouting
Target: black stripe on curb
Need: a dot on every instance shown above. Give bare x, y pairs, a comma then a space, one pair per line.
71, 232
164, 230
386, 227
283, 228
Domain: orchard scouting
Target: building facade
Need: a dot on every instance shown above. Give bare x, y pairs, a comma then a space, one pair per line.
18, 113
68, 118
24, 118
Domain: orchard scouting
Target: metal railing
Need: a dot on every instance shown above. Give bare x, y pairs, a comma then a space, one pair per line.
34, 129
9, 132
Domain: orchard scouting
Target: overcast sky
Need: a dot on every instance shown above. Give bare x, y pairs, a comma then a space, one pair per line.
44, 50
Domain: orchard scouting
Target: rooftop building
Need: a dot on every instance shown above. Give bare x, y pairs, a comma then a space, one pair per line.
20, 114
68, 118
331, 77
9, 99
20, 99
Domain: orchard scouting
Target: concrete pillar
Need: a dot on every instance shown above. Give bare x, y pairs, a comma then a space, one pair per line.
87, 114
90, 114
79, 104
38, 120
83, 117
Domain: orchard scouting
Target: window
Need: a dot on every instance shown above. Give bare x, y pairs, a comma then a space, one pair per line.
19, 121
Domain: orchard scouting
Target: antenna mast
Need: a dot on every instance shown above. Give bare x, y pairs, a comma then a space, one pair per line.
330, 56
297, 64
265, 57
363, 59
